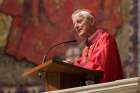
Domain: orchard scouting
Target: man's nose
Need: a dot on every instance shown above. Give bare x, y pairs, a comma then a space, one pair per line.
76, 26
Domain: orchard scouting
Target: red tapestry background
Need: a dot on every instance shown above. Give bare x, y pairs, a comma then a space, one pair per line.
39, 24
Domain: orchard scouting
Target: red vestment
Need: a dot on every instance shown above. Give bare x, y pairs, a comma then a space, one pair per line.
101, 54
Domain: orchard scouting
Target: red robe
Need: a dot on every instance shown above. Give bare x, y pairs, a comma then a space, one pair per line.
101, 54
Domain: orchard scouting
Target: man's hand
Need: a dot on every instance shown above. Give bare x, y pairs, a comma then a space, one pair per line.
69, 60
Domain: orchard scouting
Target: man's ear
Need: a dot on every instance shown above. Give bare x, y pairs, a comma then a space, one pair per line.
92, 20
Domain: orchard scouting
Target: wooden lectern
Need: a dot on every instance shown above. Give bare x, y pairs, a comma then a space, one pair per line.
60, 75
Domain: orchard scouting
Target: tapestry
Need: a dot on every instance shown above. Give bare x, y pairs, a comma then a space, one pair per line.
37, 25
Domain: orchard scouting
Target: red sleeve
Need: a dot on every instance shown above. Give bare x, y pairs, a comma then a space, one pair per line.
103, 53
105, 57
99, 55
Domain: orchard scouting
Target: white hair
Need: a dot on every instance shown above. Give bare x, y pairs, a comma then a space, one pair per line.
83, 13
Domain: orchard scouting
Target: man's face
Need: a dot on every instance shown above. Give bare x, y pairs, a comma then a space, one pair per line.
82, 25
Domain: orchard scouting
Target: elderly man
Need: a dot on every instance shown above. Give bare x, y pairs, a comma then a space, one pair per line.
100, 53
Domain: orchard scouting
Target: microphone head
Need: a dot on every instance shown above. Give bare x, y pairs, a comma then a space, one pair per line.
71, 41
75, 40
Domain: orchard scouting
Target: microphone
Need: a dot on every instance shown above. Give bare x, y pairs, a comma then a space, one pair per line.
40, 74
65, 42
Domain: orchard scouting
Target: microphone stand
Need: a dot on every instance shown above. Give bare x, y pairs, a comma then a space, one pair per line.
65, 42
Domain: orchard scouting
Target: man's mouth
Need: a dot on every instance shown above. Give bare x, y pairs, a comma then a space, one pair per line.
79, 30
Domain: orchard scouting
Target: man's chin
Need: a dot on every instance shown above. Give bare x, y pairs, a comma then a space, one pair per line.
82, 35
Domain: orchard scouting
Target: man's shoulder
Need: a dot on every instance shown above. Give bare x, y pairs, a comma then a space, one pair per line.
106, 36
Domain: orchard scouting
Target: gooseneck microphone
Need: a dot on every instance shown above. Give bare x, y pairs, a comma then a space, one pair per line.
41, 73
51, 48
